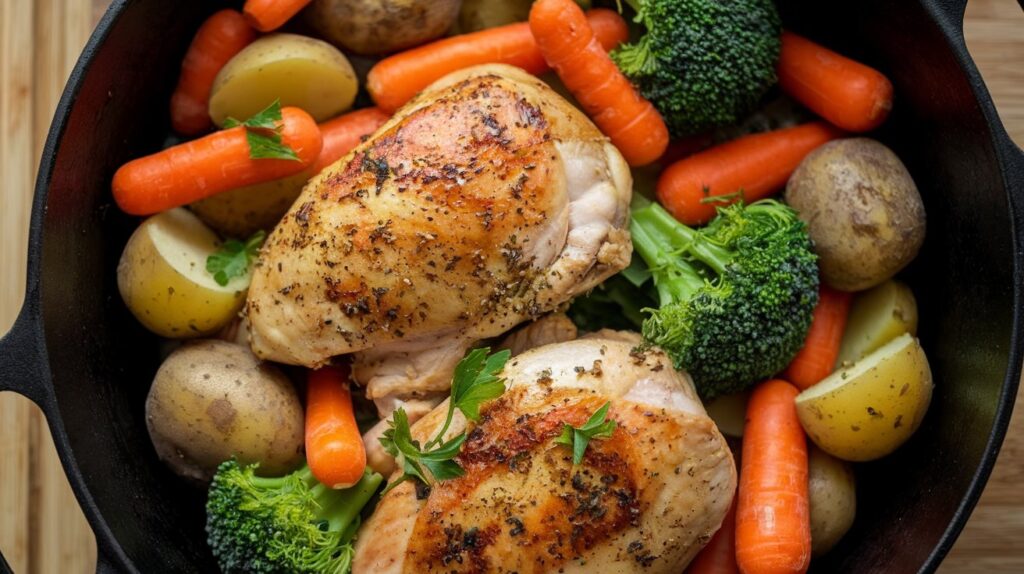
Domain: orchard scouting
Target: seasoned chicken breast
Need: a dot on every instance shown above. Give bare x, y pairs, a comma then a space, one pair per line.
645, 500
486, 201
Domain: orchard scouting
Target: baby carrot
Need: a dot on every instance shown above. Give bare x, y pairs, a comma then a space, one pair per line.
773, 530
334, 447
345, 132
758, 165
210, 165
267, 15
815, 360
719, 556
847, 93
570, 47
394, 80
218, 40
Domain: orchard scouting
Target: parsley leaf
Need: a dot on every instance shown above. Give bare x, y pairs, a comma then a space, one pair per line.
233, 258
263, 133
475, 381
578, 438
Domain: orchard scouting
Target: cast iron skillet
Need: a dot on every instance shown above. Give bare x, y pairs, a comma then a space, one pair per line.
77, 352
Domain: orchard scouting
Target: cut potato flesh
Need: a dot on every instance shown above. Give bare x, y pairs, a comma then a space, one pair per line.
877, 316
868, 410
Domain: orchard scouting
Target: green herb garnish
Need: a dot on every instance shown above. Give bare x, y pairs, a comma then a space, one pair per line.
263, 132
475, 381
233, 258
578, 438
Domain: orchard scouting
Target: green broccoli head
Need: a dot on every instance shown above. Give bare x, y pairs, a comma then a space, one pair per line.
703, 63
736, 297
286, 524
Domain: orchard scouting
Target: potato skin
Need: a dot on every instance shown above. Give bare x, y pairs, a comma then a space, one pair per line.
211, 400
863, 211
833, 498
478, 15
241, 212
374, 27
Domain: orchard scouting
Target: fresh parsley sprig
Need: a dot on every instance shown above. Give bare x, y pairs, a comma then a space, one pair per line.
233, 258
597, 426
263, 132
475, 380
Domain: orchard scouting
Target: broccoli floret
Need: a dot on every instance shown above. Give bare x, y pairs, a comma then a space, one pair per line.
736, 297
283, 524
702, 63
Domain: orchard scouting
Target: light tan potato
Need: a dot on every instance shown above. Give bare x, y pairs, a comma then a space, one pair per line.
163, 280
373, 27
212, 400
729, 412
482, 14
862, 209
868, 410
298, 70
833, 497
246, 210
877, 316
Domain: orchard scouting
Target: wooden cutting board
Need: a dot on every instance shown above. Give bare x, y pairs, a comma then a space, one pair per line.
41, 527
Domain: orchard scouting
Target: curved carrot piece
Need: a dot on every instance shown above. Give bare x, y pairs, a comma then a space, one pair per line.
719, 556
757, 164
570, 47
816, 359
773, 525
394, 80
218, 40
268, 15
334, 447
210, 165
849, 94
345, 132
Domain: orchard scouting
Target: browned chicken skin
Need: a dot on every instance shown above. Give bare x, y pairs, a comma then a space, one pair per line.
485, 202
645, 500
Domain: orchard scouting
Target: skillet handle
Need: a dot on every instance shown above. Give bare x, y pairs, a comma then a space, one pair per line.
22, 366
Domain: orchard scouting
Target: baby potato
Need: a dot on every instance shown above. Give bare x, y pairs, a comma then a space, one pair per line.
478, 15
869, 409
862, 210
212, 400
833, 499
246, 210
298, 70
163, 280
877, 316
374, 27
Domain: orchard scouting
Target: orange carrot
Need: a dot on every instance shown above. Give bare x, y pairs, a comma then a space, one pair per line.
267, 15
847, 93
719, 556
334, 446
570, 47
758, 165
210, 165
345, 132
773, 530
394, 80
815, 360
218, 40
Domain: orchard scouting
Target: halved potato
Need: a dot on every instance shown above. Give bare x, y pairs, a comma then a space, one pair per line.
246, 210
868, 410
163, 279
877, 316
298, 70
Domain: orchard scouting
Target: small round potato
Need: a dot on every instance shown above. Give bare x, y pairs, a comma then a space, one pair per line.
862, 209
163, 280
478, 15
212, 400
833, 498
297, 70
246, 210
374, 27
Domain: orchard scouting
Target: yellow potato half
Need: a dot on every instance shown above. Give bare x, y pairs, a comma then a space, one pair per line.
163, 279
877, 316
868, 410
298, 70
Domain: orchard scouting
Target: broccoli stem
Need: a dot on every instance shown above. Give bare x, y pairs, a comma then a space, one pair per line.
634, 4
340, 507
673, 278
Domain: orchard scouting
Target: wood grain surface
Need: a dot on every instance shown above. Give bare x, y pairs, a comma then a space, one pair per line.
41, 528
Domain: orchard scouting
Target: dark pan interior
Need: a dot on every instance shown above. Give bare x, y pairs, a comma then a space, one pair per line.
102, 361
